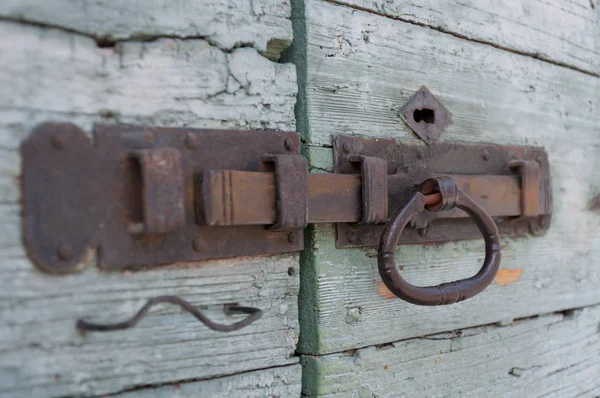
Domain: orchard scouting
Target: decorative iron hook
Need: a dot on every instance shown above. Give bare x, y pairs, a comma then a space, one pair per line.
253, 315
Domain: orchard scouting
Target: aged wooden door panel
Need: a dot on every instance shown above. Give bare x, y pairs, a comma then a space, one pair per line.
515, 73
560, 32
263, 24
357, 86
551, 355
283, 381
358, 73
152, 64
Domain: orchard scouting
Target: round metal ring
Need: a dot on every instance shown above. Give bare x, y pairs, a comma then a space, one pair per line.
450, 292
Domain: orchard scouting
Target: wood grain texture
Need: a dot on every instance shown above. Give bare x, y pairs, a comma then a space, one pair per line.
562, 32
362, 70
49, 74
356, 86
549, 356
262, 24
53, 74
280, 382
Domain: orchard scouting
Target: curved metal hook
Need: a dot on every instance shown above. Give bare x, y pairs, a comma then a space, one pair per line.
253, 315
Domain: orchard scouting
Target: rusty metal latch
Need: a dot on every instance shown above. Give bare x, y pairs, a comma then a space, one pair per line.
142, 197
438, 194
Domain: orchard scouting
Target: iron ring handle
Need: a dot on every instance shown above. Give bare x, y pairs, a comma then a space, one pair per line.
450, 292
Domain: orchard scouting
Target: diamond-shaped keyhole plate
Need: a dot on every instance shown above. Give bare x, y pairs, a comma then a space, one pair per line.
426, 115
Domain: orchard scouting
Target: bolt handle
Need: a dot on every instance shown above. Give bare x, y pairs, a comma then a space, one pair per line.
438, 194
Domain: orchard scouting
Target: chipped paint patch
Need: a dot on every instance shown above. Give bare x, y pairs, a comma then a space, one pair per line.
384, 291
506, 276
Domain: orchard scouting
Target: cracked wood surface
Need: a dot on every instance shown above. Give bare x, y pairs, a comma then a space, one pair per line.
49, 74
356, 85
566, 32
262, 24
549, 356
280, 382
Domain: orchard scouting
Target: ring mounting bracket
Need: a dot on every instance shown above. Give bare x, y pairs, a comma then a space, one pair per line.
511, 182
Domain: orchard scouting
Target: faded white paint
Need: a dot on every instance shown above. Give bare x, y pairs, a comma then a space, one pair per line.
49, 74
226, 24
179, 63
549, 356
360, 71
280, 382
566, 32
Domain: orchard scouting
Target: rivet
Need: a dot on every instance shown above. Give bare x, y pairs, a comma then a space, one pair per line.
198, 244
346, 148
486, 154
288, 143
64, 251
191, 141
420, 153
292, 238
59, 140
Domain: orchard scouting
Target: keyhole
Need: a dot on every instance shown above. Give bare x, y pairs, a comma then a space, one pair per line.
426, 115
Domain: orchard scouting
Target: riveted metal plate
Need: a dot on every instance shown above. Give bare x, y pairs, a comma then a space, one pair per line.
81, 195
409, 165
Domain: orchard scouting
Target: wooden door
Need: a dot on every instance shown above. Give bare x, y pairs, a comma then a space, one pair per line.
511, 72
156, 63
515, 73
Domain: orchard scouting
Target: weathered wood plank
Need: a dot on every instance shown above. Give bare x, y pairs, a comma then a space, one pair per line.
357, 86
164, 82
550, 356
562, 32
277, 382
48, 74
44, 355
262, 24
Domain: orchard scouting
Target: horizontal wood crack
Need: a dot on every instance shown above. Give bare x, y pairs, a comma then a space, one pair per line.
534, 55
191, 380
568, 315
109, 42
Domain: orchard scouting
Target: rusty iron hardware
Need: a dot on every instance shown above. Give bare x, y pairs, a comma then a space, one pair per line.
374, 200
150, 196
426, 115
435, 195
253, 315
511, 183
135, 195
487, 173
291, 188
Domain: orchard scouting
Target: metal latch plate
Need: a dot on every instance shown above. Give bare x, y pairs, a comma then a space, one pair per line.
414, 164
130, 194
